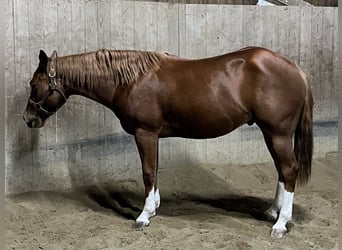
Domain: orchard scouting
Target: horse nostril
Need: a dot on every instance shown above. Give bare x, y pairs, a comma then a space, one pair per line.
32, 123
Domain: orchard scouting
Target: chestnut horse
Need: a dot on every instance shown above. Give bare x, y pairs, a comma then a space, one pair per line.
157, 95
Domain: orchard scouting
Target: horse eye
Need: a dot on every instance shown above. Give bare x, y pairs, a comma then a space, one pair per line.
33, 84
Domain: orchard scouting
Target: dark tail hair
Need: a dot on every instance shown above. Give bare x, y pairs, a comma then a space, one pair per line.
303, 141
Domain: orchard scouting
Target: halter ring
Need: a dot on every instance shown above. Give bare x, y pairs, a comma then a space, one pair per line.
52, 73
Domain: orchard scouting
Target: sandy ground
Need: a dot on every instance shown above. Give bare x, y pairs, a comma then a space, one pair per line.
202, 207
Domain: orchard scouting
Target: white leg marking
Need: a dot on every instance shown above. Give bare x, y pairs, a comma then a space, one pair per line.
157, 198
148, 211
272, 212
279, 228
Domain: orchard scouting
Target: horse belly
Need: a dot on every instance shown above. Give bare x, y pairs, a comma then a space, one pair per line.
202, 127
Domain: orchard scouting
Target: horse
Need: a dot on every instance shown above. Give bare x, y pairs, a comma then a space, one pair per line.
157, 95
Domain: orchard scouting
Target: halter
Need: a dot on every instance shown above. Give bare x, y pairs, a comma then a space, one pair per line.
38, 106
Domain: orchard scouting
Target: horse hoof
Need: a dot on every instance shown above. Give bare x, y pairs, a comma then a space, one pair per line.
278, 234
139, 225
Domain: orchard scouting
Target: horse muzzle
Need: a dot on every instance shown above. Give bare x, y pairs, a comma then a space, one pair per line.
33, 121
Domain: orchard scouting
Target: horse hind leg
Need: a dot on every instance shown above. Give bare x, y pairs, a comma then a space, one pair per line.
281, 149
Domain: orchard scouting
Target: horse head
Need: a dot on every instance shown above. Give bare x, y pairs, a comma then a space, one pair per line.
47, 93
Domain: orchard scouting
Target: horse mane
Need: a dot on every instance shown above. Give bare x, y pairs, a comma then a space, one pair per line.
124, 67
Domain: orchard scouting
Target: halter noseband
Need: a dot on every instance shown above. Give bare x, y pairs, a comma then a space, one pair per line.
38, 106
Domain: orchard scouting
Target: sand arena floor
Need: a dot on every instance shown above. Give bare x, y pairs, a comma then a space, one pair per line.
202, 207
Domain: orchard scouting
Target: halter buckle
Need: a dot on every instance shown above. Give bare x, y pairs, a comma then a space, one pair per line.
52, 73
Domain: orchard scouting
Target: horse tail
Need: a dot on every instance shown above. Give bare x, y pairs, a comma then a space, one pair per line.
303, 141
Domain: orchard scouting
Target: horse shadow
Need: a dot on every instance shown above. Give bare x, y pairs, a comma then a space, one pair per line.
129, 203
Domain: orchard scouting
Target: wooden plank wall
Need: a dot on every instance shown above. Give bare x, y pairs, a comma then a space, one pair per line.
84, 143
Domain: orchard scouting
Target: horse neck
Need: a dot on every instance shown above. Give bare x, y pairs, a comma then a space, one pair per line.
103, 95
99, 90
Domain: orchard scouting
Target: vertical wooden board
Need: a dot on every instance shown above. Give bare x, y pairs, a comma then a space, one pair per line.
274, 32
116, 18
77, 27
232, 27
173, 28
252, 27
10, 65
21, 36
152, 26
327, 49
231, 147
189, 31
64, 19
50, 25
140, 25
327, 71
294, 34
145, 26
12, 124
128, 27
334, 89
195, 31
91, 25
191, 150
104, 23
327, 60
182, 30
163, 27
316, 60
11, 120
22, 76
132, 163
267, 23
36, 32
214, 24
281, 30
305, 52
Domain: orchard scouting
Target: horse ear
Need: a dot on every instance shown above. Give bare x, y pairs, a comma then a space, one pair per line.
54, 55
43, 58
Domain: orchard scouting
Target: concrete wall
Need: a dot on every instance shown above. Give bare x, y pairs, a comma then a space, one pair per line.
84, 144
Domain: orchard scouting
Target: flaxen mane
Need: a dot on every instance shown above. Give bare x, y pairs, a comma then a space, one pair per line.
121, 66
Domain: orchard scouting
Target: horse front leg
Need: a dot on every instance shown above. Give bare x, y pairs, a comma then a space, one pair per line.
147, 143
